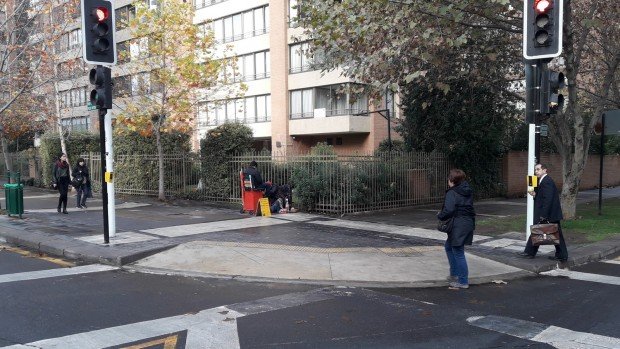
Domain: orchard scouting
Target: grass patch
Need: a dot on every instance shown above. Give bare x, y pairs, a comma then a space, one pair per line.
592, 226
588, 227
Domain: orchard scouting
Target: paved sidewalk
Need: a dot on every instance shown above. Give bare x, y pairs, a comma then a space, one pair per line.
385, 249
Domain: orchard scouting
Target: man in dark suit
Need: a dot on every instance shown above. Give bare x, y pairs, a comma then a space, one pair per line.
546, 209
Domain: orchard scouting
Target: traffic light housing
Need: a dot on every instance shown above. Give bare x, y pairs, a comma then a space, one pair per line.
101, 95
542, 28
99, 46
551, 99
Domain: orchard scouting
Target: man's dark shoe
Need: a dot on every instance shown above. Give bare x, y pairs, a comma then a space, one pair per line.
525, 255
554, 258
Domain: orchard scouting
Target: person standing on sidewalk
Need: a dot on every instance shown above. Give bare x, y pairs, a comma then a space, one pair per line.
60, 181
458, 205
546, 209
81, 182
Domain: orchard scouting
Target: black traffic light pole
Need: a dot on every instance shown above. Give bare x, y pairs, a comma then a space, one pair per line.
104, 185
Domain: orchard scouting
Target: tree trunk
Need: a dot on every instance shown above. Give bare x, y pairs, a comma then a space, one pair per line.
160, 161
8, 161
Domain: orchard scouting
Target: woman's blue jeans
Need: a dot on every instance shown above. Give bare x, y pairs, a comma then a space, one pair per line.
458, 264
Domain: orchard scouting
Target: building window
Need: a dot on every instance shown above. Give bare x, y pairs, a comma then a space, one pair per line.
71, 69
138, 48
293, 13
74, 97
123, 52
334, 99
245, 110
76, 124
198, 4
122, 86
124, 15
301, 60
241, 25
68, 41
141, 84
254, 66
302, 104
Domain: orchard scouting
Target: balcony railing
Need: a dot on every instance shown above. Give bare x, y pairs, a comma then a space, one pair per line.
198, 4
328, 113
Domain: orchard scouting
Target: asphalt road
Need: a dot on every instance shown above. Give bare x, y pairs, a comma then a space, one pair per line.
46, 304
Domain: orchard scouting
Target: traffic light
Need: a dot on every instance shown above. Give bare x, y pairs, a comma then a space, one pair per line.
542, 28
101, 95
98, 42
551, 100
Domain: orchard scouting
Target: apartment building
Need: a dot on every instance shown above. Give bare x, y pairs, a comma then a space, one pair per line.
289, 105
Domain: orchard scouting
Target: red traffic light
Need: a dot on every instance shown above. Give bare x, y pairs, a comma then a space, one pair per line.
542, 6
101, 13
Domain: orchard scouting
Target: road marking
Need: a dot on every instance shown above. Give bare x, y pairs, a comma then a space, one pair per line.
392, 229
478, 214
29, 254
37, 196
219, 226
125, 205
207, 329
613, 261
557, 337
43, 274
127, 237
575, 275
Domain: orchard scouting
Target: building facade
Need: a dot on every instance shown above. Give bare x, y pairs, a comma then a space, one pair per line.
289, 104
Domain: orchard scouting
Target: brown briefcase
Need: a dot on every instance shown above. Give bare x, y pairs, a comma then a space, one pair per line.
545, 234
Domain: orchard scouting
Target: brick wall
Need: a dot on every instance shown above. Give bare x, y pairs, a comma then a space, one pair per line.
515, 171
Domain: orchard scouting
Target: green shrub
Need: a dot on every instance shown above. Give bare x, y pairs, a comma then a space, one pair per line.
77, 143
216, 149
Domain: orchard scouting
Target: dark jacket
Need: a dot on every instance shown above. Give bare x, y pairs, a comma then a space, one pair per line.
80, 173
459, 203
60, 173
257, 179
547, 202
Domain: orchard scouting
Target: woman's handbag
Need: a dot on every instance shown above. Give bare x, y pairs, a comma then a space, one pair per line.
446, 226
545, 234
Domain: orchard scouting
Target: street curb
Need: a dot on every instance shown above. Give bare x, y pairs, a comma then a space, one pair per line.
69, 248
346, 283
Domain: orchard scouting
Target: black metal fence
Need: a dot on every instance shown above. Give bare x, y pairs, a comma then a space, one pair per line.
322, 183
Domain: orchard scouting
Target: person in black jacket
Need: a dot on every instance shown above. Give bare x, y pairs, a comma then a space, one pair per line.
60, 181
81, 181
458, 205
253, 173
546, 209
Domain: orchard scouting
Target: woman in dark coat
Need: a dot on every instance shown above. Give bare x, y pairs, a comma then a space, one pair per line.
82, 180
60, 181
459, 205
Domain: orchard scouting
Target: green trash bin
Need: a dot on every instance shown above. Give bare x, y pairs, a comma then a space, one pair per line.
14, 195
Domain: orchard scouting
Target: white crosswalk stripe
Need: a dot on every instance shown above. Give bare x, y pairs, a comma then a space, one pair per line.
613, 261
392, 229
557, 337
50, 273
575, 275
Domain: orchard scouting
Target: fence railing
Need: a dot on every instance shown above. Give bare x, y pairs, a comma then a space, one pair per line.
353, 183
322, 183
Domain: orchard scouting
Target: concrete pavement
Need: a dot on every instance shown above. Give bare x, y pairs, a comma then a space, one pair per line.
385, 249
